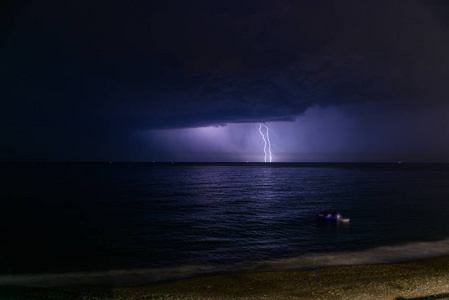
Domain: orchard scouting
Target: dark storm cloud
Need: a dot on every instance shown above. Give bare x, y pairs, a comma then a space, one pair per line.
91, 73
191, 63
273, 62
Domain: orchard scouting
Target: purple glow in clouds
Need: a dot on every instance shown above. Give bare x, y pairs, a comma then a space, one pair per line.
351, 133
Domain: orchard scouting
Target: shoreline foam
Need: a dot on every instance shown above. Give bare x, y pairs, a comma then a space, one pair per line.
378, 255
415, 279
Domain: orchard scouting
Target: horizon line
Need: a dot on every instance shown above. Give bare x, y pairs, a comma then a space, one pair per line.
223, 162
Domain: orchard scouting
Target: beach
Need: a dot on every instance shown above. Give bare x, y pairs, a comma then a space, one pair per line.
419, 279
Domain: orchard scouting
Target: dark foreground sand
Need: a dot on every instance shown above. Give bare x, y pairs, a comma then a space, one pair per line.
421, 279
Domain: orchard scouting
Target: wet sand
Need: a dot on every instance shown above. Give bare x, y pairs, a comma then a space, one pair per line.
419, 280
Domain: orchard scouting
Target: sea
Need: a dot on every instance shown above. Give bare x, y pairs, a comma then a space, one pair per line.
127, 223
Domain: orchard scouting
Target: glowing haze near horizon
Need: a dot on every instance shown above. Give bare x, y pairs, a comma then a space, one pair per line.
321, 134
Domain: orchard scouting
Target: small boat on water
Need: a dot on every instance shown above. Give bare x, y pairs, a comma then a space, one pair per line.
331, 216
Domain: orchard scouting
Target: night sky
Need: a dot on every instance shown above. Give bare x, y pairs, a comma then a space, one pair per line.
191, 80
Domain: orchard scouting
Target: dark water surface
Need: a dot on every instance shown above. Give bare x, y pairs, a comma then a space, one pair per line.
164, 220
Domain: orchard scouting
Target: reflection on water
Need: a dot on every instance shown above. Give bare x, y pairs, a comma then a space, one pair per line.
96, 217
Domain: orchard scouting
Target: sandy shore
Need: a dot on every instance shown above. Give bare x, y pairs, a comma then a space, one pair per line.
420, 279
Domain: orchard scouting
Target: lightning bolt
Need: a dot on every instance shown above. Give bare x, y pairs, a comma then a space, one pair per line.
269, 143
266, 141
